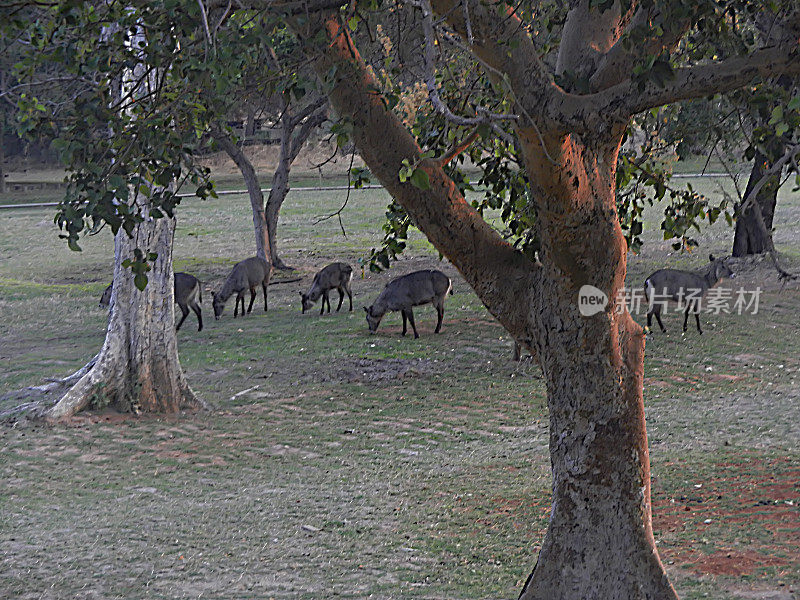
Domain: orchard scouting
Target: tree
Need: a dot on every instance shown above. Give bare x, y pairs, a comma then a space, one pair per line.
287, 89
296, 126
599, 543
124, 138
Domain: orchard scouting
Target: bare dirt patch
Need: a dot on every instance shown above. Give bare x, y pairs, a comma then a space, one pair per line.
749, 508
381, 369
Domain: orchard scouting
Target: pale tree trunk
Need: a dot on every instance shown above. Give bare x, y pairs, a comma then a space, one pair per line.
250, 122
599, 543
137, 368
280, 185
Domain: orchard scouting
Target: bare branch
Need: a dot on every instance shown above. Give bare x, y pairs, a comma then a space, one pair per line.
222, 18
694, 82
484, 117
209, 38
311, 123
338, 213
467, 23
308, 109
494, 32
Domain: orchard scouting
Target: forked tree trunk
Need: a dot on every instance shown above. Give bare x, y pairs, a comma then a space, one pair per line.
599, 543
295, 131
750, 237
253, 189
296, 127
280, 184
138, 368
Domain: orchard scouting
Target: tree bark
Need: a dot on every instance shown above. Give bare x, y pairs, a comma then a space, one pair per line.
599, 543
750, 237
250, 122
138, 367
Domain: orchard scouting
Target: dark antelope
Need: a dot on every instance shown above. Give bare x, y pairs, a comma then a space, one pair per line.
683, 286
335, 276
403, 293
246, 275
187, 293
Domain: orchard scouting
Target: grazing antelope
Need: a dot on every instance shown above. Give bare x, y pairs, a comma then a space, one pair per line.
246, 275
403, 293
335, 276
683, 286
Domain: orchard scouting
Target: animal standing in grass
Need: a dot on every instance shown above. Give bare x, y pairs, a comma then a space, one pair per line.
403, 293
683, 286
246, 275
335, 276
188, 294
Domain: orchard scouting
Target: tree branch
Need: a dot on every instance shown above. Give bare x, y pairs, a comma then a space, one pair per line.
457, 149
429, 62
702, 80
493, 33
310, 124
588, 33
617, 63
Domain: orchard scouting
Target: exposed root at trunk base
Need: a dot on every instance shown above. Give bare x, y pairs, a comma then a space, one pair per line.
98, 384
32, 403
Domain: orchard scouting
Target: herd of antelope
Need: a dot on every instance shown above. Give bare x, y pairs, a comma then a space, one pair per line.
402, 294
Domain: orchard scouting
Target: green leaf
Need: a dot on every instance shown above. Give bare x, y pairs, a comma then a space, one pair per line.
140, 281
420, 179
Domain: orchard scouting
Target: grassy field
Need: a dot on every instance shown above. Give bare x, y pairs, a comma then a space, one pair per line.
340, 464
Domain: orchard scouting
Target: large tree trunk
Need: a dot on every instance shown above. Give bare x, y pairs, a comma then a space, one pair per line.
750, 237
599, 543
138, 368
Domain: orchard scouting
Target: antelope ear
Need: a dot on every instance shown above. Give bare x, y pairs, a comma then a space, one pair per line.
711, 257
366, 310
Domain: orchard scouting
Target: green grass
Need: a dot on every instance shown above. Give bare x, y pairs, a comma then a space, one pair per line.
357, 465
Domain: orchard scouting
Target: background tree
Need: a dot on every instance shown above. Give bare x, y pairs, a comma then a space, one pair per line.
288, 91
